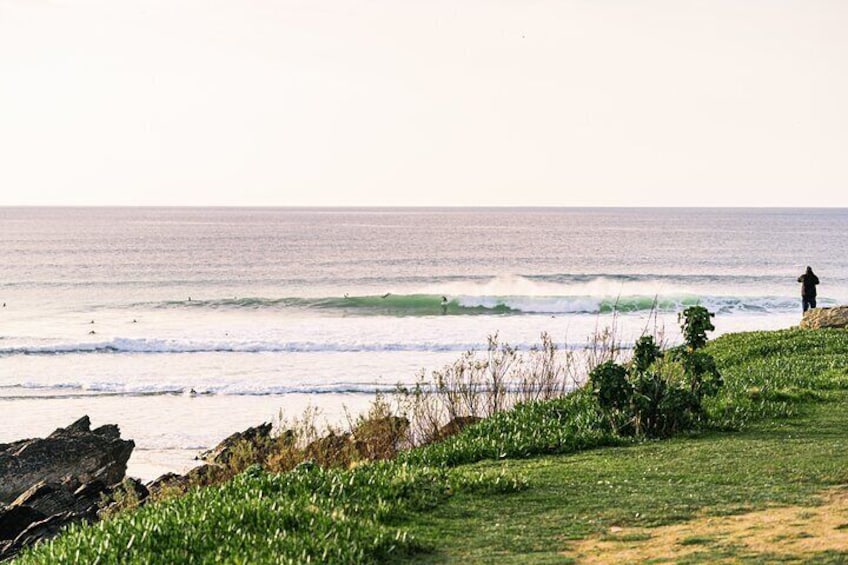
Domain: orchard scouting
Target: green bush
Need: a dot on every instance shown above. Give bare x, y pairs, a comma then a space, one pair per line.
659, 394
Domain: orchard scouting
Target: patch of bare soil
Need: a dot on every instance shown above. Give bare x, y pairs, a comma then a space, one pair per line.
791, 531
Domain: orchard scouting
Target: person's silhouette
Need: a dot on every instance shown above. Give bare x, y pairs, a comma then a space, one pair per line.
808, 281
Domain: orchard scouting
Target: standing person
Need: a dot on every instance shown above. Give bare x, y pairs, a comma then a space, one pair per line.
808, 281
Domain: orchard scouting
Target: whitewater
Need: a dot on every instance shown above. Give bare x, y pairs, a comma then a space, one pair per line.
183, 325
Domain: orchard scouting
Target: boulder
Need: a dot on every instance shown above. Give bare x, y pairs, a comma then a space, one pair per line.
816, 318
72, 456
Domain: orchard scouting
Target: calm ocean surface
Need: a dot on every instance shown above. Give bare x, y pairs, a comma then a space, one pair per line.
184, 325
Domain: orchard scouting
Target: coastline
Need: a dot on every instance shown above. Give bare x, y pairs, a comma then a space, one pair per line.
783, 449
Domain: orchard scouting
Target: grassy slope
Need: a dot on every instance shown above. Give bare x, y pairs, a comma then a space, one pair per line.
775, 461
647, 485
792, 385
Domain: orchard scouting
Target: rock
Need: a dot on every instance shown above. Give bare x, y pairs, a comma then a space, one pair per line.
46, 528
72, 456
88, 495
165, 482
257, 439
48, 499
131, 493
15, 519
135, 488
455, 426
816, 318
206, 475
330, 450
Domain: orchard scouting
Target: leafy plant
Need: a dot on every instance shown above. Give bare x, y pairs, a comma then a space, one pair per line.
695, 322
659, 394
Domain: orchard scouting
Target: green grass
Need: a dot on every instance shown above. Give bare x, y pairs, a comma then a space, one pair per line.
520, 487
652, 484
774, 460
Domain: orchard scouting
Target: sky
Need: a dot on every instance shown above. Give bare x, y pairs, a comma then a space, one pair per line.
424, 103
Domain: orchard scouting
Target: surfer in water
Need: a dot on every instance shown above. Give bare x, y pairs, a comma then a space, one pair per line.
444, 304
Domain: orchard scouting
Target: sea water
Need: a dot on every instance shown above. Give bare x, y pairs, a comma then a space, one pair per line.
185, 325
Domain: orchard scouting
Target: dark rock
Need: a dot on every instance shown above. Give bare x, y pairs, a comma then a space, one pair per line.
131, 493
48, 528
74, 456
80, 427
815, 318
89, 494
48, 498
257, 439
203, 475
206, 475
166, 481
330, 450
15, 519
455, 426
135, 488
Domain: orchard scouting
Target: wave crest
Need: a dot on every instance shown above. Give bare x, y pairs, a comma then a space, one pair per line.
470, 305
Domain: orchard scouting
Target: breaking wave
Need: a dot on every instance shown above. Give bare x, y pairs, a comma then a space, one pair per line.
434, 305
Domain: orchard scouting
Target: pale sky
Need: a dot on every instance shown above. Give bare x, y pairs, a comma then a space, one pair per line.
424, 102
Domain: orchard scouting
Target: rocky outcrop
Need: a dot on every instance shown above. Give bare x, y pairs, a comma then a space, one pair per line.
48, 483
815, 318
72, 456
238, 450
256, 439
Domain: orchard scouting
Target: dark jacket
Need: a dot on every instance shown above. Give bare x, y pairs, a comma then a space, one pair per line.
808, 284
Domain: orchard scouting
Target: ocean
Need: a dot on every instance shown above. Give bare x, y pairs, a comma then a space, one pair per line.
183, 325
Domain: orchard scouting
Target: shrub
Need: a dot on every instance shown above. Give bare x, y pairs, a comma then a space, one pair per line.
659, 394
695, 323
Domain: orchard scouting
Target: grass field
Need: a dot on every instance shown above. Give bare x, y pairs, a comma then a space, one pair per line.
604, 493
790, 391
